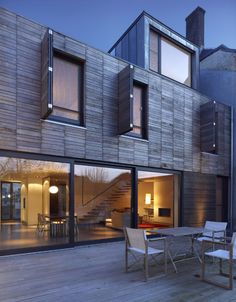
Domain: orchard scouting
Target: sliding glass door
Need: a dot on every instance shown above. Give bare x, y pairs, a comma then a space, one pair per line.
102, 202
10, 201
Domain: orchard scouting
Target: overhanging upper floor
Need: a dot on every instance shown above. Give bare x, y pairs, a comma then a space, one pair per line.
61, 97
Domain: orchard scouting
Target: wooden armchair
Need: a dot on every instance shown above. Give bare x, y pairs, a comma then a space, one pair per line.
227, 254
137, 243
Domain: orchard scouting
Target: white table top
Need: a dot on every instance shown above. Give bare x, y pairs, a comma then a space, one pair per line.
179, 231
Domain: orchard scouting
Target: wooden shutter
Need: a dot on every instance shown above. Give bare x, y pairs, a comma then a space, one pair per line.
208, 127
125, 106
46, 73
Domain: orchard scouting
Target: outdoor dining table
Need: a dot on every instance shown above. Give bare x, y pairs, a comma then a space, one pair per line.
173, 233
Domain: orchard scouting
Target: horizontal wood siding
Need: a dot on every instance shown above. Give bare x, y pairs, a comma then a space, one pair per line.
173, 124
199, 202
208, 127
8, 93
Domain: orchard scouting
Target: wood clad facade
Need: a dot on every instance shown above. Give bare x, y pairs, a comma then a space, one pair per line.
173, 120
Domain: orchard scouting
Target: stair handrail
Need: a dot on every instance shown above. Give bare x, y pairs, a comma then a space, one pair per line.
100, 193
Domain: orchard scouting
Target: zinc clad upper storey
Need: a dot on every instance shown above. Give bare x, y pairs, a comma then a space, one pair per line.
169, 59
152, 39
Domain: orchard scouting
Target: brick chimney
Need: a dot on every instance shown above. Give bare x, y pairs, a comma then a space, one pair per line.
195, 27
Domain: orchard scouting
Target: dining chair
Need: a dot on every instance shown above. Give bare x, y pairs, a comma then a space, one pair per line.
136, 243
227, 254
43, 224
213, 232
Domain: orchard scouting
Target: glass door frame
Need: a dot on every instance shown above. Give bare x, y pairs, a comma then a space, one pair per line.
11, 201
179, 197
132, 196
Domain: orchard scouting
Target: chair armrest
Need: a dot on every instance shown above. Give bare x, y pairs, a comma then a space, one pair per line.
204, 242
156, 239
219, 231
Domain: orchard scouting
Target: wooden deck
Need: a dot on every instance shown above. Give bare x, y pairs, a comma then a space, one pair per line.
96, 273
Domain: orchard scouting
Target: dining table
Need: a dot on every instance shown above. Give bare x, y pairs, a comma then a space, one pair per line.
180, 242
59, 225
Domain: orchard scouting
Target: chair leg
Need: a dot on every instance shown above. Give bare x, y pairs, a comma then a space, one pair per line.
203, 267
126, 259
220, 266
165, 259
146, 266
230, 274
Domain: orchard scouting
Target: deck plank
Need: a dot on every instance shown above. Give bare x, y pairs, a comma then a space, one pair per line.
96, 273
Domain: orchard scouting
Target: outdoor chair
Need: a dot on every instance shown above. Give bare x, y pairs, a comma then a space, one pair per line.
213, 232
226, 254
137, 243
43, 224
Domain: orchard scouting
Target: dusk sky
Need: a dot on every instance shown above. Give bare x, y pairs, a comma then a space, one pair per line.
100, 23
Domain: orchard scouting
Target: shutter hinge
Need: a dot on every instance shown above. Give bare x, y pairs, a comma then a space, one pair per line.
50, 106
131, 125
131, 96
50, 32
50, 68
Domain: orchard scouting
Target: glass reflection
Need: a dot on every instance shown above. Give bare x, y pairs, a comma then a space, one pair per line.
102, 202
175, 62
31, 215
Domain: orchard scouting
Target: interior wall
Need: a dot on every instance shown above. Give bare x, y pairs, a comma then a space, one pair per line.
86, 190
46, 197
24, 202
143, 188
91, 189
35, 201
164, 197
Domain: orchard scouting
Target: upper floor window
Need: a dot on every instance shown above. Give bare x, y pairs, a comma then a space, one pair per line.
67, 89
132, 104
138, 106
62, 81
169, 59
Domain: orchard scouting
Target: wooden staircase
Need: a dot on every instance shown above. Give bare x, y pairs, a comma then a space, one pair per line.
102, 207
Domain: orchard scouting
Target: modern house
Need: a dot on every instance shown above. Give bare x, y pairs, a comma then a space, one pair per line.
218, 81
92, 141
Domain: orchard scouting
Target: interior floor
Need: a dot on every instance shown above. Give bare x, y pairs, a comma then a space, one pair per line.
17, 235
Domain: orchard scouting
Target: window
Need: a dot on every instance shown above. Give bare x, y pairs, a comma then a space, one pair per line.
169, 59
138, 95
67, 89
132, 104
153, 50
61, 84
175, 62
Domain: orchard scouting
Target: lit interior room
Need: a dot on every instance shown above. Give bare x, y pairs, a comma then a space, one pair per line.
157, 200
34, 194
102, 202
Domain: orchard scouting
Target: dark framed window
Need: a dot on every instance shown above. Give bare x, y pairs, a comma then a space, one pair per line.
170, 59
68, 74
139, 110
132, 108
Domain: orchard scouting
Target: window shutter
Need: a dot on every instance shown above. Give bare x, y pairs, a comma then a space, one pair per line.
46, 73
125, 106
208, 127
